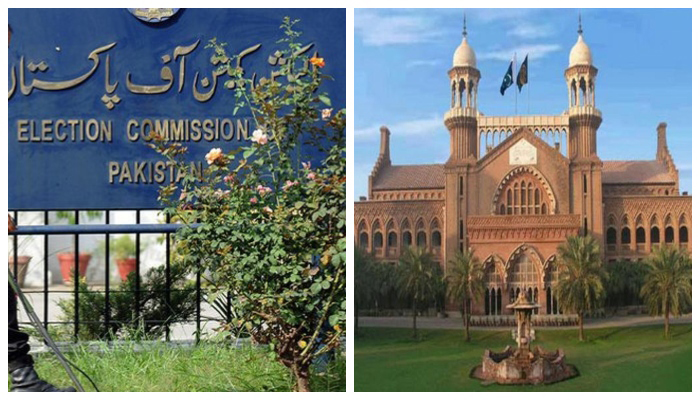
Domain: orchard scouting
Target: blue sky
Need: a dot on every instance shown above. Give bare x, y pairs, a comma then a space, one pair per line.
644, 61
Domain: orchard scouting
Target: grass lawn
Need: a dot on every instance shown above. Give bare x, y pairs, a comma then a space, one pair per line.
205, 368
612, 359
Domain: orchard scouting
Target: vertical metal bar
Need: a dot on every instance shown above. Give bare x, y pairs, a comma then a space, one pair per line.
167, 277
199, 306
76, 279
229, 316
107, 310
15, 246
46, 273
138, 271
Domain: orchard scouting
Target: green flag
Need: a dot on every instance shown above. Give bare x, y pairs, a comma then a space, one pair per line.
507, 79
522, 75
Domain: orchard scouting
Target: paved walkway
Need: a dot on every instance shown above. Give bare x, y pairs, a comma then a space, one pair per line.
456, 323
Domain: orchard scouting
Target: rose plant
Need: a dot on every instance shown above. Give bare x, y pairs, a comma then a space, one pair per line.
267, 225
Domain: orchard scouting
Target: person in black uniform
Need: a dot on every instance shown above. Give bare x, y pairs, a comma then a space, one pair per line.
20, 363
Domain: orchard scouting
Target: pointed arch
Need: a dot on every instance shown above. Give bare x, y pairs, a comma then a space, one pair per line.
513, 180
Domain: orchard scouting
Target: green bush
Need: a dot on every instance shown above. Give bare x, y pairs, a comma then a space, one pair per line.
154, 310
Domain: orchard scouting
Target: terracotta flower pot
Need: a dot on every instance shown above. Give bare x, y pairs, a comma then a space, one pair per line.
67, 262
125, 266
22, 266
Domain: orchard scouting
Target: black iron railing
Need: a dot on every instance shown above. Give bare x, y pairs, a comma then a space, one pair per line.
107, 229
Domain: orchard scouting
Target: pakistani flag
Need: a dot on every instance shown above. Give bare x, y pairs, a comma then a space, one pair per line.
522, 74
508, 79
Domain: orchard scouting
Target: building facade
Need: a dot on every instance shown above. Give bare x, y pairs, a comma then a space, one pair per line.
514, 187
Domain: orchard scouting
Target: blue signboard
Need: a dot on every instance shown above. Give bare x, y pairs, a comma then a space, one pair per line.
87, 86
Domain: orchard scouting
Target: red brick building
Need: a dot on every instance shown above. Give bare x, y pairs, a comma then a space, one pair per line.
514, 187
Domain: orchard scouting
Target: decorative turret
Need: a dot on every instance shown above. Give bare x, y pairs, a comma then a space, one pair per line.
461, 118
585, 118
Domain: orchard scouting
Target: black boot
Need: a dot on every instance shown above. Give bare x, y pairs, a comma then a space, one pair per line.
25, 379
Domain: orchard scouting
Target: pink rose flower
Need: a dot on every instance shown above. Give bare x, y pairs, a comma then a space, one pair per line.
214, 156
263, 190
311, 175
289, 184
326, 113
254, 200
259, 137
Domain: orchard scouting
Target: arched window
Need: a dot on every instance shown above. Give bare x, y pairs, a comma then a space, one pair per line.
544, 208
640, 235
523, 275
502, 211
611, 236
378, 240
668, 234
551, 277
510, 201
683, 234
392, 240
655, 235
436, 239
364, 240
421, 239
625, 236
406, 238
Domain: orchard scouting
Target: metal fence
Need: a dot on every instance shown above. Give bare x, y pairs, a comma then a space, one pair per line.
76, 230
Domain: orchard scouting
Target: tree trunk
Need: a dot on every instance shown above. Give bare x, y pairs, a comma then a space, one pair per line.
580, 327
357, 317
415, 314
667, 332
465, 321
301, 375
469, 337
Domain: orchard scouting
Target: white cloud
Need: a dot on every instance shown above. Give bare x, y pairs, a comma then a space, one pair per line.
415, 127
525, 30
377, 29
423, 63
534, 51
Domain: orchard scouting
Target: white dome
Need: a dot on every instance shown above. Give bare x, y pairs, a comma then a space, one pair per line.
580, 54
464, 55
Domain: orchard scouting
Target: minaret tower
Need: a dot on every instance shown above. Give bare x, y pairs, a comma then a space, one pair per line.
461, 118
461, 122
584, 120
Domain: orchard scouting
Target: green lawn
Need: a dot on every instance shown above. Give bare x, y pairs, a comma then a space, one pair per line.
612, 359
205, 368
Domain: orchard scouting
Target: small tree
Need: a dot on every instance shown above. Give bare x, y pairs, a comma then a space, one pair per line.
272, 227
465, 283
581, 274
416, 271
668, 285
364, 281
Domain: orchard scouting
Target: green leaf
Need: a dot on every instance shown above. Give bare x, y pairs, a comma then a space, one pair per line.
333, 320
324, 99
315, 288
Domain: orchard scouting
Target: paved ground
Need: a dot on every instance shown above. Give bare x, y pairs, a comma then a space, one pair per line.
456, 323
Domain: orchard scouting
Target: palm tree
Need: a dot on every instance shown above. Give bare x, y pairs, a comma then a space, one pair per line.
581, 274
668, 285
416, 278
465, 283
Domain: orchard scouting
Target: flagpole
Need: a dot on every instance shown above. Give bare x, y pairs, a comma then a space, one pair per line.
515, 64
528, 90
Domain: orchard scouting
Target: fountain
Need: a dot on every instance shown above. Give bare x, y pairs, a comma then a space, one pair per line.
522, 365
